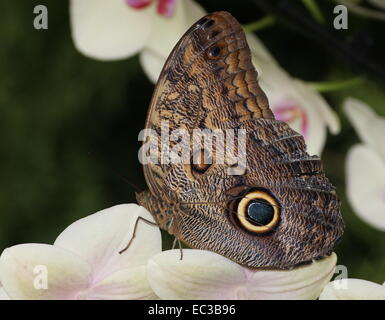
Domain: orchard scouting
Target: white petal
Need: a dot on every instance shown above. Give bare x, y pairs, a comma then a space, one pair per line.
207, 275
109, 30
359, 114
166, 33
302, 283
152, 64
199, 275
319, 115
353, 289
3, 294
261, 57
365, 174
317, 102
39, 271
280, 89
99, 237
127, 284
369, 127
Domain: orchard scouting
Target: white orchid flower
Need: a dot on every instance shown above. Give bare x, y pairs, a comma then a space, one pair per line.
365, 164
84, 262
353, 289
292, 100
207, 275
118, 29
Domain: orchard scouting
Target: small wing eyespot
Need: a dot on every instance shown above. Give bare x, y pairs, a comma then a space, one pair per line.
214, 52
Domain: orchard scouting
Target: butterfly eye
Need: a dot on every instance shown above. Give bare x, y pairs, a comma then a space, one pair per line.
214, 52
258, 212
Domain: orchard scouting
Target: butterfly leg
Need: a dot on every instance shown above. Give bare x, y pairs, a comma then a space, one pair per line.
134, 233
161, 210
180, 247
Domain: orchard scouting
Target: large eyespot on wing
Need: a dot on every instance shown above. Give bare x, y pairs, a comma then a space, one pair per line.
209, 80
257, 212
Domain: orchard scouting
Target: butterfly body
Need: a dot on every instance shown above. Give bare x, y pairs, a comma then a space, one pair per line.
277, 209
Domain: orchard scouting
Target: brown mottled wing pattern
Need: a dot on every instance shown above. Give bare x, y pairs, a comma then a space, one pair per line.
196, 91
210, 71
209, 82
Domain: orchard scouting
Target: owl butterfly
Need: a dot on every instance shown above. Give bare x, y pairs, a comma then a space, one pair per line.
281, 210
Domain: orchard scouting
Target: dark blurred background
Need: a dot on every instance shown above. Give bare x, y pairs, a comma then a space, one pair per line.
69, 124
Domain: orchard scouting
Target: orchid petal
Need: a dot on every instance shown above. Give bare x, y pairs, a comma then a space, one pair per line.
301, 283
152, 64
166, 7
207, 275
353, 289
365, 172
369, 127
109, 30
127, 284
320, 115
165, 35
316, 114
261, 56
3, 294
139, 4
100, 237
320, 105
199, 275
40, 271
